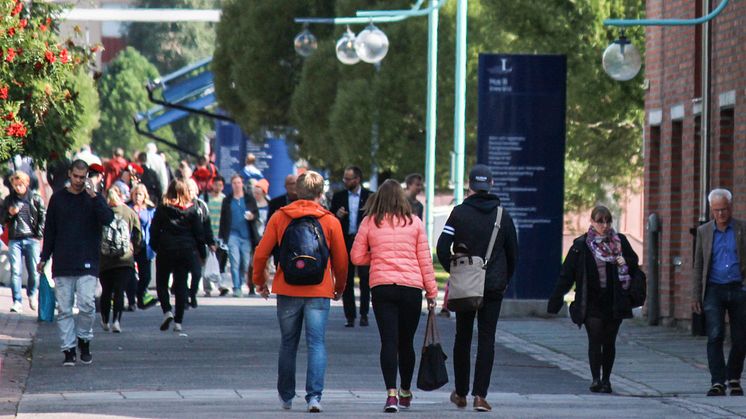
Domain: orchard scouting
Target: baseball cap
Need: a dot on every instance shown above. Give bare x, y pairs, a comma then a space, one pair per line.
480, 178
263, 184
95, 167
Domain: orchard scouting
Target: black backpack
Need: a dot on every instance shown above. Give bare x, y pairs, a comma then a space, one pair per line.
304, 253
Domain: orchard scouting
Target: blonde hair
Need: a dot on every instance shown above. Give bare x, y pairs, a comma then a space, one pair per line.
141, 188
22, 176
389, 202
309, 185
113, 196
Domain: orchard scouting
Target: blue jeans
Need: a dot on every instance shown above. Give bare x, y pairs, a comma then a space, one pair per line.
28, 249
718, 299
239, 253
291, 311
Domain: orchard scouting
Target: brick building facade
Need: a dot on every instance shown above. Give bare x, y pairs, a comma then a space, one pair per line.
672, 141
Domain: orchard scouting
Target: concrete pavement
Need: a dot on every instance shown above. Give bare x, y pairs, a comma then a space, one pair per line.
225, 364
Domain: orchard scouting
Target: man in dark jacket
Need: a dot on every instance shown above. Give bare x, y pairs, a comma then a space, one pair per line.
348, 205
72, 235
150, 179
24, 213
238, 229
282, 200
470, 227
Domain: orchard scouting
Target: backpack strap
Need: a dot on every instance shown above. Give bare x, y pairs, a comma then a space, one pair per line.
495, 230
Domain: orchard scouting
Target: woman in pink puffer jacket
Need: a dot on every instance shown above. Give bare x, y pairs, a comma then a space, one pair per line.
394, 244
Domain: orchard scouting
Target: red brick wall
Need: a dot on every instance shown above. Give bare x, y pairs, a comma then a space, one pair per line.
672, 149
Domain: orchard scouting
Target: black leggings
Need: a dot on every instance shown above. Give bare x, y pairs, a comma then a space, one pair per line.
601, 345
144, 273
113, 282
397, 310
179, 262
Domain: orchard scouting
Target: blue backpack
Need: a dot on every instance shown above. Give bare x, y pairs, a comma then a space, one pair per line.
304, 253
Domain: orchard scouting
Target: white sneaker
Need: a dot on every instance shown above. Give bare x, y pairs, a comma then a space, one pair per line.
104, 326
177, 327
115, 327
32, 302
286, 405
17, 307
314, 406
167, 319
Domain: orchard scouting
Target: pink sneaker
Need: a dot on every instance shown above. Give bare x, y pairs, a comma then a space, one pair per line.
405, 401
392, 405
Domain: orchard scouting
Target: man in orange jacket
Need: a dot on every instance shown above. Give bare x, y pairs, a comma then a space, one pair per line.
303, 303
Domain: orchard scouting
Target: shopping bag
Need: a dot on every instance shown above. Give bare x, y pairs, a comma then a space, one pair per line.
46, 300
432, 374
212, 268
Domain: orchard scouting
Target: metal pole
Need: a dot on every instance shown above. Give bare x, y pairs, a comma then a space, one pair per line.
459, 134
652, 259
704, 153
374, 135
431, 121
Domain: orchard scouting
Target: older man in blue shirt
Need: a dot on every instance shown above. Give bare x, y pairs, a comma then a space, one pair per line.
718, 286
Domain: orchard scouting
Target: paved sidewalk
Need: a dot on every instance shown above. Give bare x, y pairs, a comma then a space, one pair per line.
650, 361
224, 363
16, 336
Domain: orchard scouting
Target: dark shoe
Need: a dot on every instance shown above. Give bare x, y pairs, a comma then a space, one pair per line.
85, 351
716, 390
605, 387
193, 302
459, 401
595, 386
363, 321
735, 388
131, 307
224, 292
481, 405
392, 405
69, 358
350, 323
167, 318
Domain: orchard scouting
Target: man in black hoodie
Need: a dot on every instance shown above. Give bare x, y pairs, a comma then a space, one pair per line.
72, 235
470, 227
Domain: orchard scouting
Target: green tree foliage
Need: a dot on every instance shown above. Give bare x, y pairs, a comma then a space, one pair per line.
88, 101
173, 45
604, 117
42, 111
122, 96
333, 106
256, 68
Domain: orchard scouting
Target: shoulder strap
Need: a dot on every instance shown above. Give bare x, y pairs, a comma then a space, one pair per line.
495, 230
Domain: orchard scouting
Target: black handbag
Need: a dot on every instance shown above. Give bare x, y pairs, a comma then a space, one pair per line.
638, 288
432, 374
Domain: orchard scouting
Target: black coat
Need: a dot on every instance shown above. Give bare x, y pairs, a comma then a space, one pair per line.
580, 257
224, 231
17, 227
275, 204
340, 200
177, 229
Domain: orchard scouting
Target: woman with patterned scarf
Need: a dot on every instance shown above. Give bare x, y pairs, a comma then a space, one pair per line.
600, 263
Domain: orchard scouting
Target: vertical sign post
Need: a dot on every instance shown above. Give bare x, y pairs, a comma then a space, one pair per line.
521, 136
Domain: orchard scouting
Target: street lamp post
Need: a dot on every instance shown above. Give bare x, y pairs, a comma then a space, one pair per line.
346, 57
459, 118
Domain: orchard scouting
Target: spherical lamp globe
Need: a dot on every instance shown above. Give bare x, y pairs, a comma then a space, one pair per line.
305, 43
346, 53
371, 44
621, 60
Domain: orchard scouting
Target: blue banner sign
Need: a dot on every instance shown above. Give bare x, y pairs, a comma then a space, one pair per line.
521, 136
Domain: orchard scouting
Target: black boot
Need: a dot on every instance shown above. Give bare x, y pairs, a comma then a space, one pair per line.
595, 386
85, 351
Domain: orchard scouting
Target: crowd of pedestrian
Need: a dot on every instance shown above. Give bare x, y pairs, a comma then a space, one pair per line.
108, 222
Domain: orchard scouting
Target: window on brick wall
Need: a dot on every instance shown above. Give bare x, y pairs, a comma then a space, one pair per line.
725, 147
653, 154
677, 129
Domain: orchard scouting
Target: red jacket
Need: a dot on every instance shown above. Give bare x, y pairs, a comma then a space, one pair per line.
334, 238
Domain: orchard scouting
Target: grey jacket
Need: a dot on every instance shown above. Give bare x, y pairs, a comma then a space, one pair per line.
703, 255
